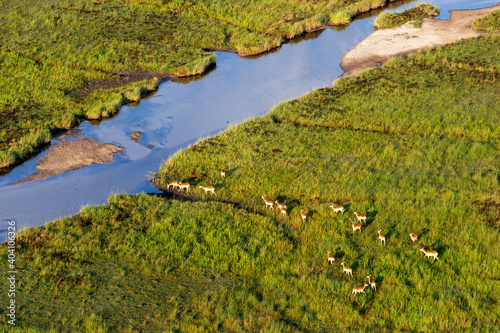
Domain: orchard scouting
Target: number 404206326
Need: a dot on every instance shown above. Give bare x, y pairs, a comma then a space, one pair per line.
11, 241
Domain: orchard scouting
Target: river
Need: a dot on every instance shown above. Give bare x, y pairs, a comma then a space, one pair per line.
184, 110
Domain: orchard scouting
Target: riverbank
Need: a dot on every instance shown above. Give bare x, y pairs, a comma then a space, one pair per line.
387, 44
413, 145
176, 116
79, 56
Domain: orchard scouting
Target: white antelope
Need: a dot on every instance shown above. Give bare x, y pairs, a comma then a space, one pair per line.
331, 258
281, 205
358, 290
347, 270
223, 173
414, 237
381, 237
184, 186
304, 215
175, 183
360, 216
429, 254
268, 202
337, 209
207, 189
372, 283
356, 227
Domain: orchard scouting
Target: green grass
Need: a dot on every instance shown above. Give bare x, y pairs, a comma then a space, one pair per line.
145, 263
415, 15
415, 145
51, 47
34, 102
490, 23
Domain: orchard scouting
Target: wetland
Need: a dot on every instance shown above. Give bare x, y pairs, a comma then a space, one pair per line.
412, 144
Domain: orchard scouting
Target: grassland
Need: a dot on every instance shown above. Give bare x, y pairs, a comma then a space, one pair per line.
34, 103
51, 48
147, 264
489, 23
414, 15
413, 145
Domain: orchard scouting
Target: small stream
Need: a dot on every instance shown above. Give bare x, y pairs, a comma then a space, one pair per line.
184, 110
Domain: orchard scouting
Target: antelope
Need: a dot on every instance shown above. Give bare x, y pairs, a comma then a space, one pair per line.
304, 215
184, 185
414, 237
173, 184
356, 227
381, 237
331, 259
281, 205
268, 202
347, 270
223, 173
283, 211
360, 217
207, 189
429, 254
357, 290
337, 209
372, 283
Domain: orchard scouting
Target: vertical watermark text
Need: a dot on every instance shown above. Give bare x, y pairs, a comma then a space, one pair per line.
11, 272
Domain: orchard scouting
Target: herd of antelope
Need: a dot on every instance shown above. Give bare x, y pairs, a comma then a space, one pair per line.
360, 218
331, 259
208, 189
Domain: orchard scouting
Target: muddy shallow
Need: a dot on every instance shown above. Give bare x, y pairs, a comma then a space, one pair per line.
72, 155
183, 111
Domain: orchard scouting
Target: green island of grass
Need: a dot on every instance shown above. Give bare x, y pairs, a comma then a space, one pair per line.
414, 15
60, 59
414, 145
489, 24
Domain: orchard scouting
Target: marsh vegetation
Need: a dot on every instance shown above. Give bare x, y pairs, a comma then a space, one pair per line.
413, 145
53, 48
414, 15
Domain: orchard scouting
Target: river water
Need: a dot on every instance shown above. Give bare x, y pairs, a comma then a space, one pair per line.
183, 111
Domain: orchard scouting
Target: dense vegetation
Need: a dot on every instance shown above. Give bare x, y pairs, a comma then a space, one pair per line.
415, 145
415, 15
490, 23
51, 48
148, 264
34, 102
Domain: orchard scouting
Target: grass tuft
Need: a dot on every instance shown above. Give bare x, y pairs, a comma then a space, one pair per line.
490, 23
414, 15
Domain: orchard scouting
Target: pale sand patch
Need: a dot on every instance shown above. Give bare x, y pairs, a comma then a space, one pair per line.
386, 44
72, 155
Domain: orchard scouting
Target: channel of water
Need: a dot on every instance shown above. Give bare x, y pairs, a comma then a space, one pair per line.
184, 110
